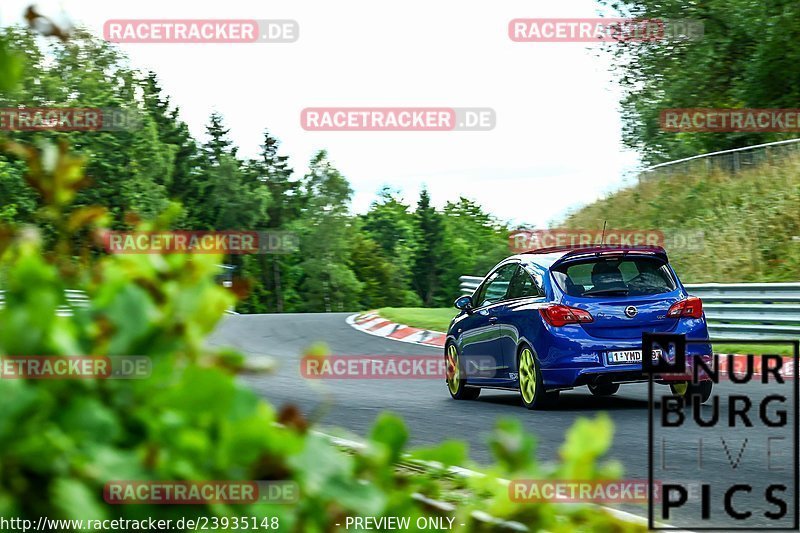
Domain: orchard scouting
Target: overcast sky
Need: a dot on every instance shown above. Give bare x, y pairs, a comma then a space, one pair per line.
556, 144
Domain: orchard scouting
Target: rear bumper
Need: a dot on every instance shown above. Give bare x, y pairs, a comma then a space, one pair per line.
570, 357
557, 378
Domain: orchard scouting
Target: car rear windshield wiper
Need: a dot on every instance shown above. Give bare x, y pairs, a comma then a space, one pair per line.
611, 290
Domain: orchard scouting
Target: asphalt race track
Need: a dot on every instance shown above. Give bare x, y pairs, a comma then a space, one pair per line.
432, 416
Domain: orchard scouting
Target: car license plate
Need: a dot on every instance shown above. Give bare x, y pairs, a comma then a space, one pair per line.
629, 356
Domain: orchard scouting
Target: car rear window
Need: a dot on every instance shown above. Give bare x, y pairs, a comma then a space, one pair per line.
632, 276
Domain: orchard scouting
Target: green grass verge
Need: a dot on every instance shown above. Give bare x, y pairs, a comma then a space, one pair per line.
756, 349
437, 319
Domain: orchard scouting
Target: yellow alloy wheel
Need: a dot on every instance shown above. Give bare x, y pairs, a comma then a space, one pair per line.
453, 375
527, 375
680, 388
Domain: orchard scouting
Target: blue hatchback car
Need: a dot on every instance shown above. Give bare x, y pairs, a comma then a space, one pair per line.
558, 318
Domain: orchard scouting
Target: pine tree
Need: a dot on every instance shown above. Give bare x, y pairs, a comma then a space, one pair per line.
391, 224
426, 269
274, 172
183, 182
218, 143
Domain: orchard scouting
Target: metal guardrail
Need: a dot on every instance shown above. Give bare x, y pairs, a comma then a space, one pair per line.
469, 283
75, 300
751, 310
730, 161
79, 300
735, 310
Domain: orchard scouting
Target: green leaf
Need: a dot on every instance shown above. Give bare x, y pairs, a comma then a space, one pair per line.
511, 446
12, 65
391, 431
75, 501
585, 442
18, 398
448, 453
588, 438
88, 420
132, 312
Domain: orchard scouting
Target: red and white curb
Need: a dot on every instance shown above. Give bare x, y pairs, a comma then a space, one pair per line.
371, 322
374, 324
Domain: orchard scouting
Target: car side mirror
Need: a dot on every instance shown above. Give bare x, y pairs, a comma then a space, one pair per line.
464, 303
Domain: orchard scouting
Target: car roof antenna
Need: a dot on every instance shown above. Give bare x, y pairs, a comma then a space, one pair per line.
603, 237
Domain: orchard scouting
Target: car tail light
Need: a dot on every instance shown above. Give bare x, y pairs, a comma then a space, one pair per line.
561, 315
691, 307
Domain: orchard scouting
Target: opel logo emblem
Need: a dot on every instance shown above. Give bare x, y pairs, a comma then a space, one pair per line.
631, 311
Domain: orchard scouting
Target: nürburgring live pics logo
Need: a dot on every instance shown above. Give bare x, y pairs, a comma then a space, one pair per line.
730, 463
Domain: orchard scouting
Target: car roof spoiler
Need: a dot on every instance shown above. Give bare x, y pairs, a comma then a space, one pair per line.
574, 253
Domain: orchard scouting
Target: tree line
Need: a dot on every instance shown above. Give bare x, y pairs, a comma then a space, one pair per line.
395, 254
747, 57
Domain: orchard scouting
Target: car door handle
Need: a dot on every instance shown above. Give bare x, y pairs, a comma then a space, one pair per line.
492, 320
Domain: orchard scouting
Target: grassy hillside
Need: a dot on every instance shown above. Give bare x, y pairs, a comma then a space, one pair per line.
748, 218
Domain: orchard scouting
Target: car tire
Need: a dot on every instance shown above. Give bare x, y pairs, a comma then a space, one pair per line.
687, 390
604, 389
531, 383
456, 385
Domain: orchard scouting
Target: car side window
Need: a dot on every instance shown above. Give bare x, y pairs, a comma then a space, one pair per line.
496, 286
523, 286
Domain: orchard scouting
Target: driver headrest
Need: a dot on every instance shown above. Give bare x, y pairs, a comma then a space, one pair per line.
604, 272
